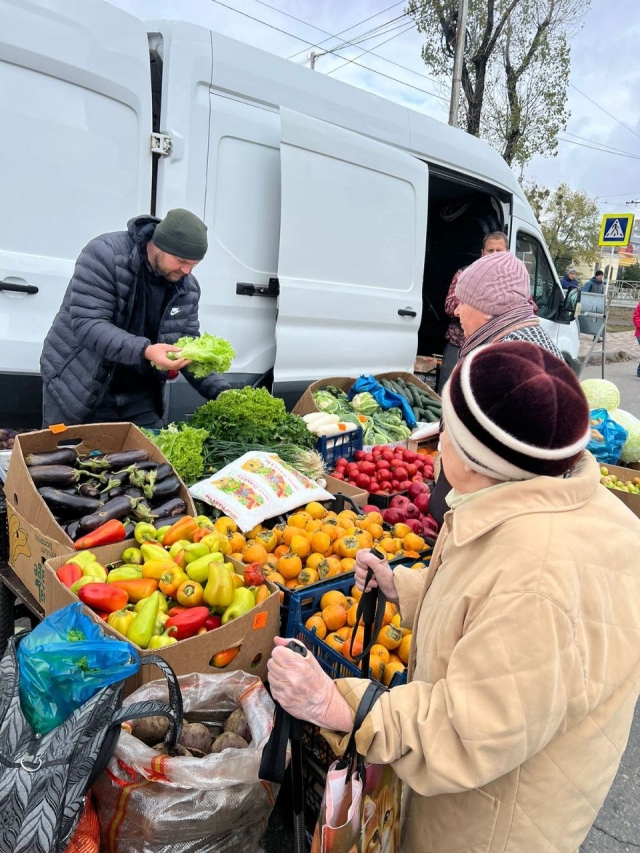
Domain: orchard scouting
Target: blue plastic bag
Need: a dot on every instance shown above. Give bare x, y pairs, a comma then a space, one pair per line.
385, 399
607, 437
63, 662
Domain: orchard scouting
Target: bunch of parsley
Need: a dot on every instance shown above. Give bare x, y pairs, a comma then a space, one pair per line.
253, 416
182, 446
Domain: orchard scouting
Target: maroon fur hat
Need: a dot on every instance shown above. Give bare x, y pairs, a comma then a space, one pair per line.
514, 411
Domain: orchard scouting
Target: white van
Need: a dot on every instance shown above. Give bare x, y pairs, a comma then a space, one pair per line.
336, 218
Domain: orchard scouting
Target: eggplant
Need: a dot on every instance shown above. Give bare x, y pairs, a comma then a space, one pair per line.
88, 490
61, 476
128, 529
134, 493
63, 456
143, 511
64, 504
167, 520
163, 471
72, 530
116, 492
163, 490
173, 507
147, 466
116, 461
116, 508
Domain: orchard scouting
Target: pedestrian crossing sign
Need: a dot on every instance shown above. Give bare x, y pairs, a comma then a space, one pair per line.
615, 229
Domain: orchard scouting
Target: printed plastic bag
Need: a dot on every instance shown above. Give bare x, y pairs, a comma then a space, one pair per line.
150, 803
607, 437
63, 662
385, 399
257, 486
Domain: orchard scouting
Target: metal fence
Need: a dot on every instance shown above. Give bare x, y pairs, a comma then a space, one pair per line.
624, 293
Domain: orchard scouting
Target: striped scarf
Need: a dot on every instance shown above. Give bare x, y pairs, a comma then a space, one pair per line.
498, 327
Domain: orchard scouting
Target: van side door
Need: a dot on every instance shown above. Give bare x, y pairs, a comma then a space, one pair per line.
352, 244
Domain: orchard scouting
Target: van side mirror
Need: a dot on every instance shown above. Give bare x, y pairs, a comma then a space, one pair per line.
569, 305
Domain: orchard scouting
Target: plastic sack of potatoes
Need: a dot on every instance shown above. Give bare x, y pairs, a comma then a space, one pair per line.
203, 802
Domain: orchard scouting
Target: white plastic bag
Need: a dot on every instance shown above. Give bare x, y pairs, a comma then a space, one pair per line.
148, 803
257, 486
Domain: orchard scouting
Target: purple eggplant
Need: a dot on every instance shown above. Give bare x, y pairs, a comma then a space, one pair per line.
163, 490
172, 507
61, 503
57, 476
117, 508
62, 456
116, 461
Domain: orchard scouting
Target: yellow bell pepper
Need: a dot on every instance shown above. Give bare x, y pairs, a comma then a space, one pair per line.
171, 580
120, 620
220, 588
156, 568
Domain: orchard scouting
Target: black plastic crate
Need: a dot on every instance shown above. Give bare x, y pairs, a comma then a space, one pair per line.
315, 746
331, 448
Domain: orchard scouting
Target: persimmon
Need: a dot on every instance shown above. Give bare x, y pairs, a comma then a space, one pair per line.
321, 542
290, 566
278, 531
348, 564
315, 510
375, 530
356, 593
313, 526
252, 534
348, 546
335, 616
334, 642
346, 518
254, 553
268, 539
314, 560
379, 651
272, 561
390, 670
390, 637
413, 542
329, 568
281, 550
299, 519
332, 530
316, 623
308, 576
373, 518
300, 546
389, 613
236, 541
276, 577
377, 667
292, 583
334, 596
344, 633
400, 530
351, 615
403, 649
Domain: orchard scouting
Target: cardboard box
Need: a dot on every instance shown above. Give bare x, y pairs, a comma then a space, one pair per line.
35, 536
305, 404
625, 474
253, 633
358, 496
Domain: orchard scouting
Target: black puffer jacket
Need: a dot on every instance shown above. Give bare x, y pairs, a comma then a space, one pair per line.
87, 339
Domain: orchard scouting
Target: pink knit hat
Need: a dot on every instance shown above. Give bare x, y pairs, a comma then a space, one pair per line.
494, 284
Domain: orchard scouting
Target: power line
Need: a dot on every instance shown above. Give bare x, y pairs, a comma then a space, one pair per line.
601, 150
597, 142
600, 107
352, 27
617, 195
401, 33
312, 44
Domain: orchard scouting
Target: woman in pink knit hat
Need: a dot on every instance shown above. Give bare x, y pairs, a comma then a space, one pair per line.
495, 304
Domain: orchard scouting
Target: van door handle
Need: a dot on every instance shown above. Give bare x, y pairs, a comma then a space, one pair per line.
407, 312
18, 288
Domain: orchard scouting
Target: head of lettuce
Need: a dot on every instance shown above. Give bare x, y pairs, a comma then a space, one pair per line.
207, 354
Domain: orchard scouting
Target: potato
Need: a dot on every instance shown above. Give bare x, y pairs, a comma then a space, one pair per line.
237, 723
150, 730
195, 736
178, 751
228, 740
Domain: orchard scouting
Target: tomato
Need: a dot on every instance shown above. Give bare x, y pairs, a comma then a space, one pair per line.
385, 485
341, 462
400, 473
376, 455
387, 455
418, 478
362, 481
404, 485
398, 453
382, 465
373, 486
411, 470
352, 468
409, 456
367, 468
368, 457
338, 475
359, 455
395, 485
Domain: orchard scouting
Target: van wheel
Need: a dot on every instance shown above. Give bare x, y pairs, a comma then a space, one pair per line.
572, 362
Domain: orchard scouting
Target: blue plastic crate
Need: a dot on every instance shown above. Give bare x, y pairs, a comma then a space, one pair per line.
333, 447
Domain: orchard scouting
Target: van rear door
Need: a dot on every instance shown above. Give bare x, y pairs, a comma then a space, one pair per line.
352, 243
75, 108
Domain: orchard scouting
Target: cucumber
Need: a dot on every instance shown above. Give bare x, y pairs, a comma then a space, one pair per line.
386, 384
430, 417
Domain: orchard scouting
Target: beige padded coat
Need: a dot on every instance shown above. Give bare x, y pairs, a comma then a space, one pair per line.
524, 670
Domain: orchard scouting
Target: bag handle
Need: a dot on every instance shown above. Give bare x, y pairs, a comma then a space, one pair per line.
173, 710
369, 698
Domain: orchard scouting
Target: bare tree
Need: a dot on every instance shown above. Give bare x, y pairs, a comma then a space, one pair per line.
515, 71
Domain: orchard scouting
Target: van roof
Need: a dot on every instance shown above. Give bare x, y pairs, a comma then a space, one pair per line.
272, 81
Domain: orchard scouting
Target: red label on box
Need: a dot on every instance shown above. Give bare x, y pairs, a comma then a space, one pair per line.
260, 620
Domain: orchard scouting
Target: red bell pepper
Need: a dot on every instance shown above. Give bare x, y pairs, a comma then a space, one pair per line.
138, 588
103, 596
178, 608
69, 574
253, 574
213, 622
188, 623
108, 533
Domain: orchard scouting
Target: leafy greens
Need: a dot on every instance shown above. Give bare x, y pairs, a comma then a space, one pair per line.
182, 445
207, 354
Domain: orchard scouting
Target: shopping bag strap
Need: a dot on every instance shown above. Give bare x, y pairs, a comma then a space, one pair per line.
351, 758
273, 764
370, 609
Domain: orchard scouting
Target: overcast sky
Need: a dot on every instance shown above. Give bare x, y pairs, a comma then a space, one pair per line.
605, 65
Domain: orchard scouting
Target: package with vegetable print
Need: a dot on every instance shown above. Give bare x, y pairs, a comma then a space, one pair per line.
257, 486
210, 804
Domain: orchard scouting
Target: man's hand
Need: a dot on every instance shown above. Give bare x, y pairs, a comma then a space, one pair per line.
157, 354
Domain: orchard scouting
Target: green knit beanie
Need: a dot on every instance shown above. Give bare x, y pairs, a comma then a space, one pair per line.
183, 234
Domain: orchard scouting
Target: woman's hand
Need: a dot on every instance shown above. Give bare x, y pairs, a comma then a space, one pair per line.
301, 687
382, 574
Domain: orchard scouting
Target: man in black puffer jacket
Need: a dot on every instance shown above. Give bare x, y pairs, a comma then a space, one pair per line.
132, 296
